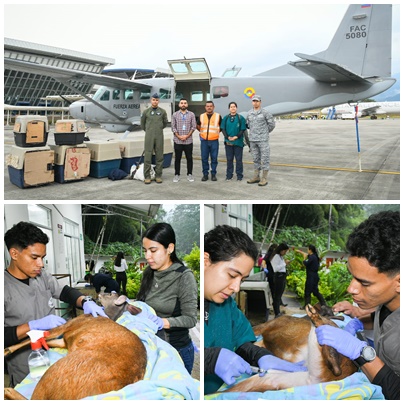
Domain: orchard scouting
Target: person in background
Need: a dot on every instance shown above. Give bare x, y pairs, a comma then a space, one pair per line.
170, 289
120, 267
269, 271
233, 127
153, 121
229, 339
29, 291
208, 125
279, 263
261, 123
374, 263
102, 280
312, 264
183, 124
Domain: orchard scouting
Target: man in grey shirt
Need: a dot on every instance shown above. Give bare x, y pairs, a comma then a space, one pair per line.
261, 123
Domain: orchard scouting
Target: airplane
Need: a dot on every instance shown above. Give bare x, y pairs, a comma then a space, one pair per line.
372, 109
355, 66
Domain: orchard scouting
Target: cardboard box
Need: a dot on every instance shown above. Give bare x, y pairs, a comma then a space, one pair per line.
29, 167
21, 122
71, 163
69, 131
30, 131
70, 126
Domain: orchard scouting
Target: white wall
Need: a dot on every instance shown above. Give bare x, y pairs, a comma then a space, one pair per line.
56, 256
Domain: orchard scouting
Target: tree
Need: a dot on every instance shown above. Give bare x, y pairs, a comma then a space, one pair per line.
313, 217
185, 220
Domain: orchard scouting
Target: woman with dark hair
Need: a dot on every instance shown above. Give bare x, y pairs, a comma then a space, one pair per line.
269, 271
279, 266
120, 267
229, 339
233, 127
170, 289
312, 264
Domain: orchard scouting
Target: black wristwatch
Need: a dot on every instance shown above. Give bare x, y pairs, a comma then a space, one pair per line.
87, 299
368, 354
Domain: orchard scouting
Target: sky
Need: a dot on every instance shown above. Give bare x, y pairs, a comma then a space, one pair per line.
256, 37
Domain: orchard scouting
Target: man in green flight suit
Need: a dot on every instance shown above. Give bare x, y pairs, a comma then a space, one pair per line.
153, 121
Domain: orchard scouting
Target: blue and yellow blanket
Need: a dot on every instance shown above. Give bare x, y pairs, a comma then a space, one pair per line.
354, 387
165, 379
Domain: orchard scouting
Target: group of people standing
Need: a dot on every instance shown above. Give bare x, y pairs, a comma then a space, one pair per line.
274, 265
209, 124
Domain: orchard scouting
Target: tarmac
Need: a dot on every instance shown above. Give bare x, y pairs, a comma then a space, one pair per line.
314, 160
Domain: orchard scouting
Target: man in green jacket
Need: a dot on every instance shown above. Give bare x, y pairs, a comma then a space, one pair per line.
153, 121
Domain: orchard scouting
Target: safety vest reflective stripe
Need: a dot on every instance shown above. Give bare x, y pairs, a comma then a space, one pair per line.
210, 128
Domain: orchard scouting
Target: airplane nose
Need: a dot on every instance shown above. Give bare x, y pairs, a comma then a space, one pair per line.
77, 110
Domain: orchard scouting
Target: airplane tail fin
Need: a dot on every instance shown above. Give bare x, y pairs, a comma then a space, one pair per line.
363, 41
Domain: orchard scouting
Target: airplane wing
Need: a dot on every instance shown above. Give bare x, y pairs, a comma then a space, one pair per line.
371, 110
325, 71
64, 75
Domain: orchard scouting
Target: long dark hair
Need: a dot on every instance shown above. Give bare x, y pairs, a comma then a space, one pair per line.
118, 259
281, 247
314, 251
164, 234
268, 254
223, 243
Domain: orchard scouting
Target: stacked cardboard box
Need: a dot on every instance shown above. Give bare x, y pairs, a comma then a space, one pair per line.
28, 167
72, 163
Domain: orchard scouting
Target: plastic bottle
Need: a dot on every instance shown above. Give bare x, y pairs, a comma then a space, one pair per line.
38, 359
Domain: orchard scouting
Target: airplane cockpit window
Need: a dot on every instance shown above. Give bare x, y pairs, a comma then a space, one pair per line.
98, 93
105, 96
220, 92
145, 95
116, 94
128, 94
165, 94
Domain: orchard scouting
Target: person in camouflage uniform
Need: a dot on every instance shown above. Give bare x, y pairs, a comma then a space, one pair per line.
261, 123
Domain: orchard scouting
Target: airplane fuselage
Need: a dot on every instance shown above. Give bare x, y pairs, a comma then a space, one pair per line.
280, 95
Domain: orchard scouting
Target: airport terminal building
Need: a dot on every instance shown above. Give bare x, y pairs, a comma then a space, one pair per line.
28, 89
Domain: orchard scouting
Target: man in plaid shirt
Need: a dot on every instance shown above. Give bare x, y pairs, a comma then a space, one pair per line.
183, 124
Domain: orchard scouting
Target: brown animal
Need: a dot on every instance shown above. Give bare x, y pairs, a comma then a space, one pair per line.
103, 356
294, 339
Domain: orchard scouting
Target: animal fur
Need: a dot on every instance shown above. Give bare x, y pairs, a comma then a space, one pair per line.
102, 356
294, 339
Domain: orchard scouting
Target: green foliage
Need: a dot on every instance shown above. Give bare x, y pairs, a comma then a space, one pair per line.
112, 249
298, 236
134, 280
313, 219
192, 261
333, 284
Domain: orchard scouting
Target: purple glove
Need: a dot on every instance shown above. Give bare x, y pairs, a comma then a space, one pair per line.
354, 326
156, 320
92, 308
46, 323
229, 365
272, 362
345, 343
266, 270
